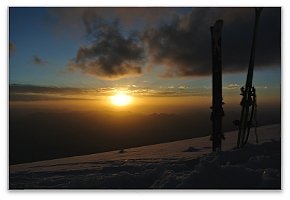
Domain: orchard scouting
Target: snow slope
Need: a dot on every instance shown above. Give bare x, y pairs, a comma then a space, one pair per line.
181, 164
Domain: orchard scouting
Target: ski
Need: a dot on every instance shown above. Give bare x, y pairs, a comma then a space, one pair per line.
217, 109
248, 93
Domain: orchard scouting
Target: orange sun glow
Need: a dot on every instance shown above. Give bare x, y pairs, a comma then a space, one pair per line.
121, 99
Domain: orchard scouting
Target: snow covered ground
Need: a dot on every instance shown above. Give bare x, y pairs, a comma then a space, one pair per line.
181, 165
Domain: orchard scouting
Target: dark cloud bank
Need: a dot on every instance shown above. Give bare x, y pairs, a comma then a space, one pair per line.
181, 44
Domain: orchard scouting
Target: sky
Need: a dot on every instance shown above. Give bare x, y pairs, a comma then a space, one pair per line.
84, 53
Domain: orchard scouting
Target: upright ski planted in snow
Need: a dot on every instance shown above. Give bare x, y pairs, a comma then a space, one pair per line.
248, 92
217, 109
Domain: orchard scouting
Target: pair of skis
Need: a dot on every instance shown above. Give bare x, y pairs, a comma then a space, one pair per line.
248, 103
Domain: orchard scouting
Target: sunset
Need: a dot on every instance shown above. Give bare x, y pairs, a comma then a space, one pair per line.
121, 99
126, 88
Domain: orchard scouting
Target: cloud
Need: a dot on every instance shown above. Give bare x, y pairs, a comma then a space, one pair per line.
20, 88
110, 54
132, 17
176, 38
38, 61
22, 92
232, 86
69, 20
183, 45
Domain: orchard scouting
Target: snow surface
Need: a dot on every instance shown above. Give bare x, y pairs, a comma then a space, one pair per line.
181, 165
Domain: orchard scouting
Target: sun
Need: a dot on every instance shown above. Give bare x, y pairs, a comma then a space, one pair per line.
121, 99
